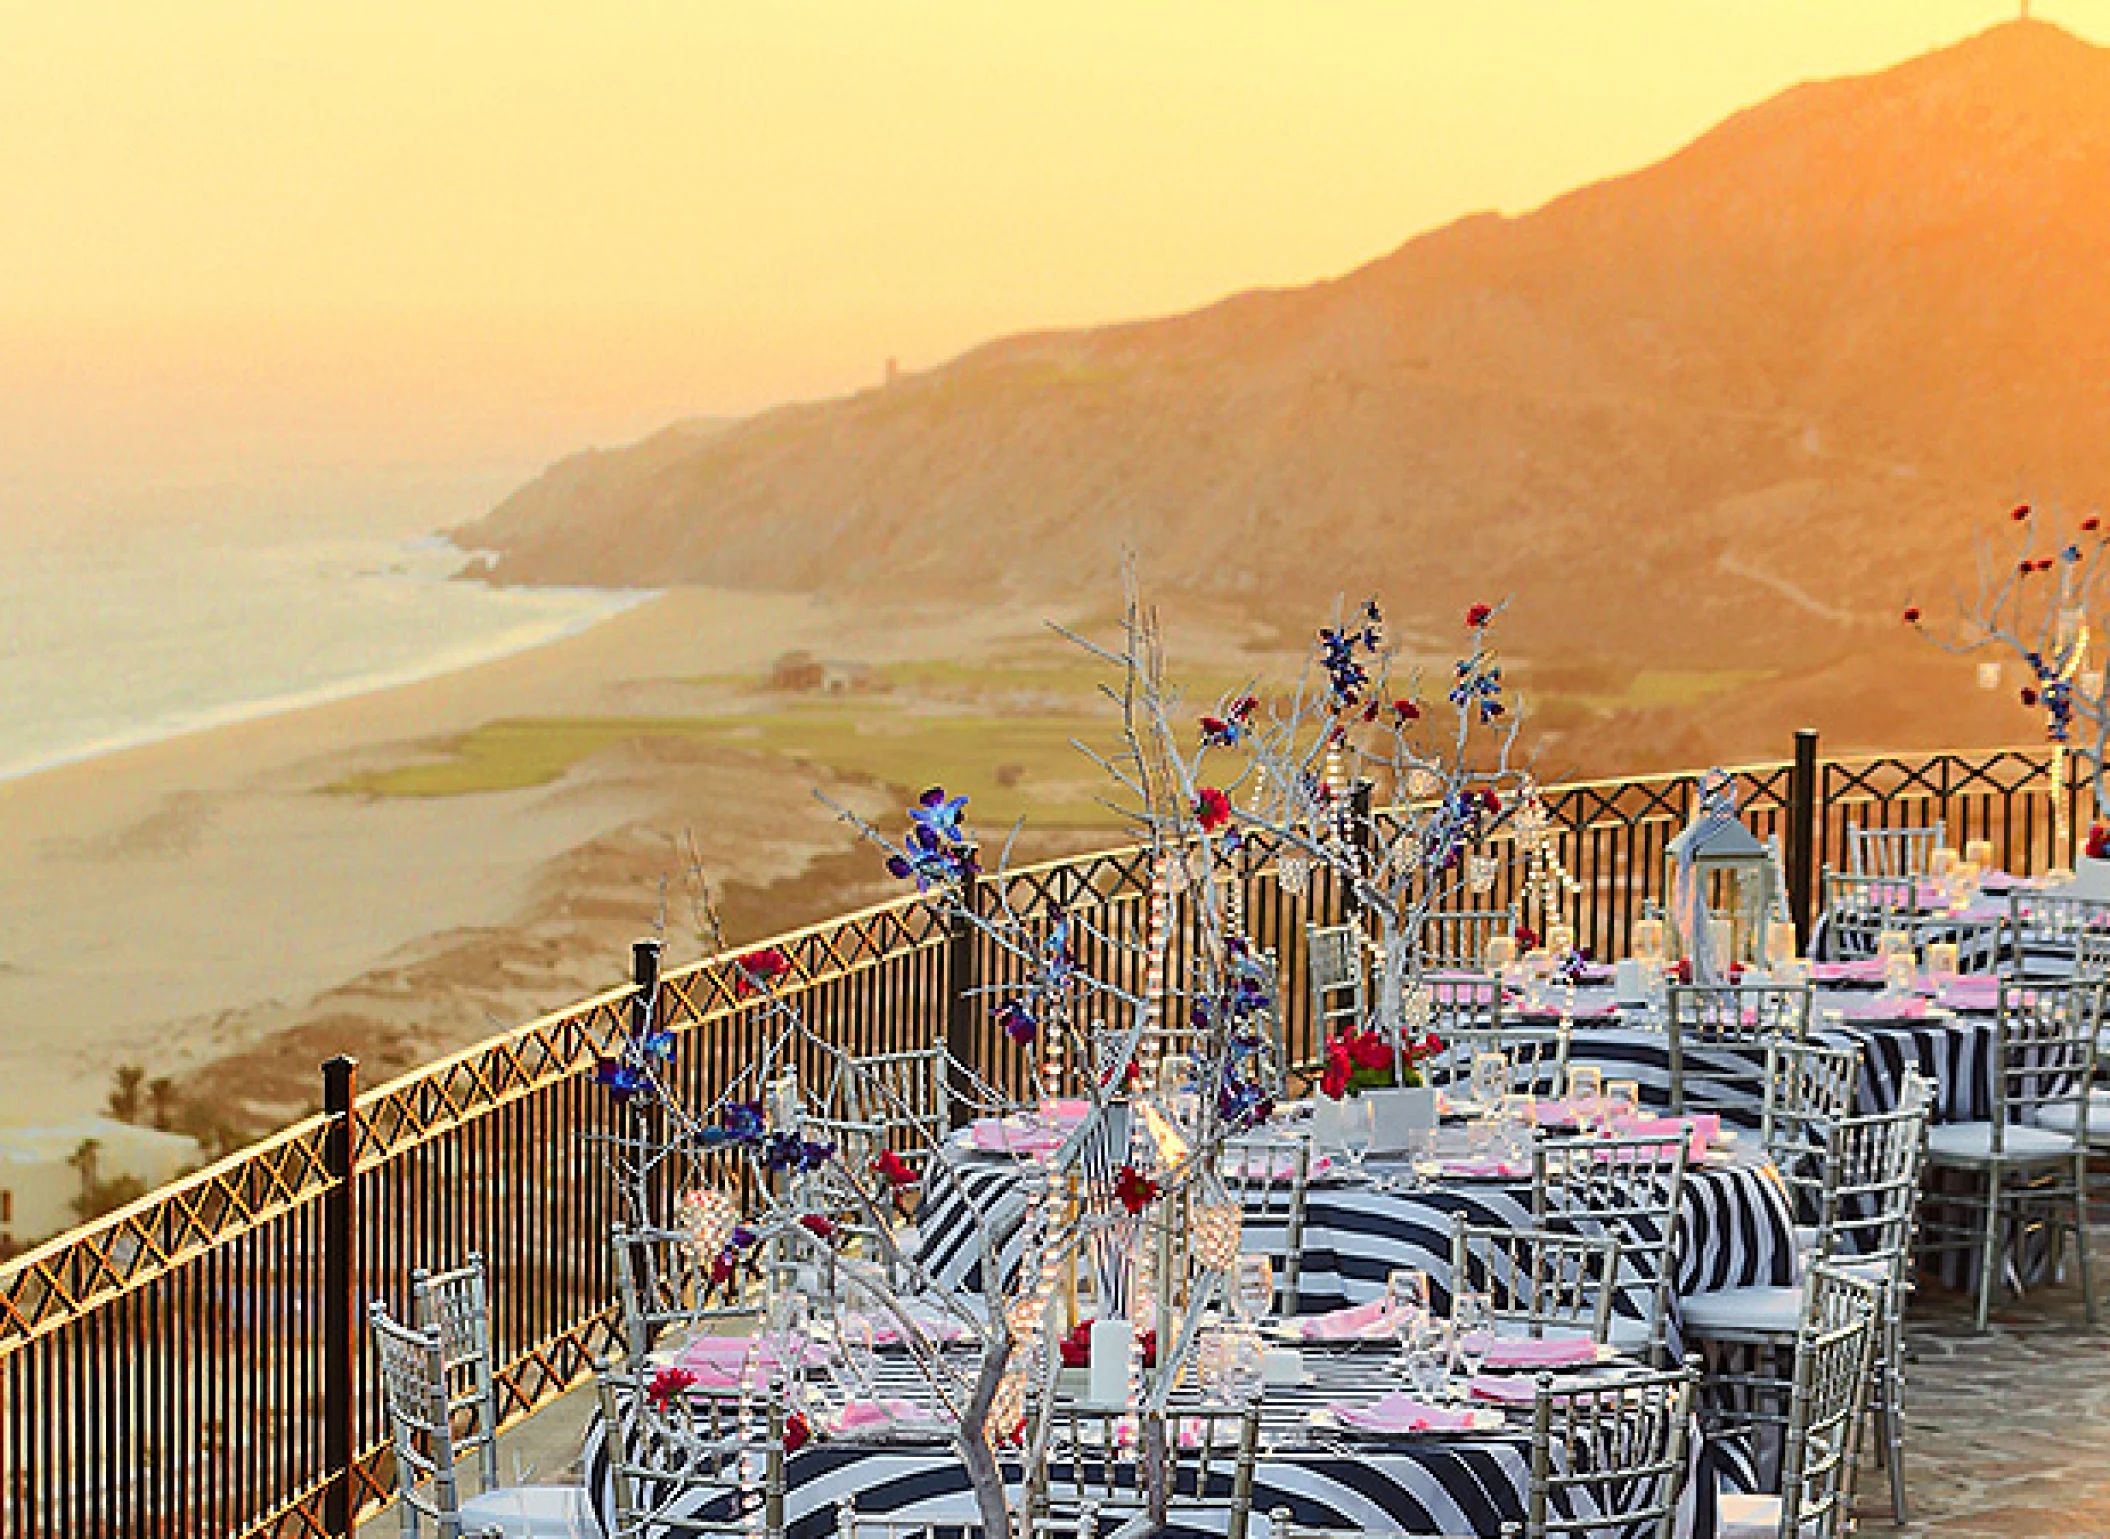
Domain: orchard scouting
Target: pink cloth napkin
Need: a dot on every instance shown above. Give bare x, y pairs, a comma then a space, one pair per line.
1485, 1169
1401, 1413
1556, 1352
1516, 1389
870, 1415
1861, 970
1903, 1007
1705, 1128
1065, 1113
1358, 1322
886, 1330
1975, 993
1997, 881
1603, 1011
717, 1361
1249, 1165
1014, 1135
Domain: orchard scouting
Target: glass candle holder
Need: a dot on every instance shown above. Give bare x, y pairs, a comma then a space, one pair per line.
1780, 942
1648, 940
1501, 953
1978, 853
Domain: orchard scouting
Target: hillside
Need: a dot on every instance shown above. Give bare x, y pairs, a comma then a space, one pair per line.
1727, 410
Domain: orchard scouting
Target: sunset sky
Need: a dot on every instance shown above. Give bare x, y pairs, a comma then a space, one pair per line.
244, 236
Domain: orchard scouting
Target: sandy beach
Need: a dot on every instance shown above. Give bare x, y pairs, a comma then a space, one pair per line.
219, 909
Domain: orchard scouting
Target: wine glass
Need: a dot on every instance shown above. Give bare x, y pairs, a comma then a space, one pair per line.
1253, 1291
1622, 1100
1244, 1364
1429, 1359
1406, 1304
1585, 1094
1490, 1078
1358, 1131
1472, 1330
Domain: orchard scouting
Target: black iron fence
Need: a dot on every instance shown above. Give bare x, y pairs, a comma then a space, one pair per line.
194, 1364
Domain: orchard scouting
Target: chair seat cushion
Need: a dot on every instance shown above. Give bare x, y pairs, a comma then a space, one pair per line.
2065, 1118
1739, 1516
1743, 1312
532, 1512
1972, 1142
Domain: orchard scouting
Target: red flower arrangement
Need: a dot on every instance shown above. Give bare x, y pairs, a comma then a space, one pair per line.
2021, 512
2090, 525
1364, 1060
757, 969
1527, 939
667, 1386
1212, 809
1406, 710
1135, 1190
798, 1432
1076, 1348
2098, 847
1478, 616
894, 1170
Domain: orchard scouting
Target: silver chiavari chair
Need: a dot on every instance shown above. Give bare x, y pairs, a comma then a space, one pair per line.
1269, 1175
1858, 909
1717, 1030
414, 1394
2032, 1154
690, 1450
1106, 1453
1810, 1089
1608, 1456
1870, 1198
1542, 1282
1457, 939
1630, 1189
1537, 1055
1835, 1346
1893, 851
457, 1304
2049, 933
663, 1288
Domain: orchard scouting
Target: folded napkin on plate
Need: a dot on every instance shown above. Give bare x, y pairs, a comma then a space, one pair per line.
1860, 970
1997, 881
1552, 1352
1887, 1007
1401, 1413
1485, 1169
1358, 1322
1504, 1389
1603, 1010
717, 1361
1065, 1113
1705, 1128
1014, 1135
874, 1415
1980, 992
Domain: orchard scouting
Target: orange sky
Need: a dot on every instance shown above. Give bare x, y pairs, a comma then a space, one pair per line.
245, 235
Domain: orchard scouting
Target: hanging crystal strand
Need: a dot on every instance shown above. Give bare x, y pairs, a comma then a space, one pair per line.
1156, 943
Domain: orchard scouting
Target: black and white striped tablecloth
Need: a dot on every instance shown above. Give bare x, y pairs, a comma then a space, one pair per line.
1455, 1483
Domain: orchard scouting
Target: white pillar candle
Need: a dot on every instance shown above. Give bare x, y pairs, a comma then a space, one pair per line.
1112, 1341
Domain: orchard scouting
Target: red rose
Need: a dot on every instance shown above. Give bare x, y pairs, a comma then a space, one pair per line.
1912, 614
894, 1170
757, 968
1212, 809
1135, 1190
2099, 842
1683, 971
1478, 615
1076, 1348
2029, 696
2021, 512
797, 1432
1370, 1051
667, 1386
1333, 1084
1406, 710
2024, 568
820, 1228
2090, 525
1527, 939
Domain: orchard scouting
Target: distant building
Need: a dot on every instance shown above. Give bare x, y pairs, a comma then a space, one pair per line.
41, 1174
801, 673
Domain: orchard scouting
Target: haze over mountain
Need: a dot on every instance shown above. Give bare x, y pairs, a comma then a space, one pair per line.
1730, 409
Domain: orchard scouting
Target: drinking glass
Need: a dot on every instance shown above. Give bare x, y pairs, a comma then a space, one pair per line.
1358, 1131
1585, 1094
1244, 1363
1253, 1293
1520, 1108
1490, 1078
1648, 940
1472, 1330
1560, 939
1622, 1100
1429, 1360
1978, 854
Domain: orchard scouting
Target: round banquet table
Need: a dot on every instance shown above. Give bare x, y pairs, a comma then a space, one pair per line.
1454, 1483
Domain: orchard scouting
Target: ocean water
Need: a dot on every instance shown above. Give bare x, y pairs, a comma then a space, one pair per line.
195, 610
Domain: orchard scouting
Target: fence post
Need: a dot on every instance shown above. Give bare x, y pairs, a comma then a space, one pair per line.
1802, 831
340, 1306
644, 971
960, 1036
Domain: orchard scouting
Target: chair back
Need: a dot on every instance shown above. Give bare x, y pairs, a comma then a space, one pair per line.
1539, 1279
1457, 938
1110, 1456
1858, 908
2044, 1046
1893, 851
905, 1093
1810, 1089
1269, 1175
457, 1304
2046, 932
1339, 993
1462, 1003
689, 1442
414, 1397
1710, 1022
1630, 1189
1537, 1055
1835, 1359
1871, 1183
1609, 1456
662, 1285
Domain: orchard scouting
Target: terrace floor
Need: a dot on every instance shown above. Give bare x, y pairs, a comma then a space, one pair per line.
2008, 1434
